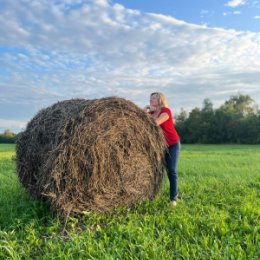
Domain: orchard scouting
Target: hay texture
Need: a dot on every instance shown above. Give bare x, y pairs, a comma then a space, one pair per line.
91, 155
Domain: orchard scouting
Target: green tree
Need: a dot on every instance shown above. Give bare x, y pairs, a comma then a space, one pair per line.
242, 105
8, 137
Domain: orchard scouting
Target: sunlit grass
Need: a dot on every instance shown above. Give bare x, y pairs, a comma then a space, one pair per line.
217, 216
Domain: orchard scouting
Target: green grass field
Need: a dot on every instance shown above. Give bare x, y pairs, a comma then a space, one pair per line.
217, 217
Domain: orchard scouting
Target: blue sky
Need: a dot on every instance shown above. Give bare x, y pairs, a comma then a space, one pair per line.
63, 49
239, 15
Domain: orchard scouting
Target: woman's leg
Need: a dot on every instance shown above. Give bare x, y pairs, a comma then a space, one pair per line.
172, 157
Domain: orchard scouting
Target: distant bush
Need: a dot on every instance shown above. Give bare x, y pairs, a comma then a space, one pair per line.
8, 137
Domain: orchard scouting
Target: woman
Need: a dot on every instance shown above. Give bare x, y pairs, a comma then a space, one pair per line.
162, 114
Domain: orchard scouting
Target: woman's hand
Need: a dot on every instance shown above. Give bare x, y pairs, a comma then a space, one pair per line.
147, 108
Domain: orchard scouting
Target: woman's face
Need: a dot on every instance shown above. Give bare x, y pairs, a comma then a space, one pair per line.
153, 101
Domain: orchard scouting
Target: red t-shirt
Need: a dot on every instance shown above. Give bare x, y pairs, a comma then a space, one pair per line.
169, 131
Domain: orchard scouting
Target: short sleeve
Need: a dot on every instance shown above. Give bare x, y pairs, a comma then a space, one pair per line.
167, 111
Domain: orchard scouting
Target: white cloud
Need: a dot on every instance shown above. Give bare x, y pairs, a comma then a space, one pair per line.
257, 17
206, 13
235, 3
5, 123
88, 49
231, 13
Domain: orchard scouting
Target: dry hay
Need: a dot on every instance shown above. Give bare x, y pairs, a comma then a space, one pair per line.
91, 155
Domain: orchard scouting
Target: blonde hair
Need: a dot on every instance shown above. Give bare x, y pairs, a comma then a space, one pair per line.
162, 101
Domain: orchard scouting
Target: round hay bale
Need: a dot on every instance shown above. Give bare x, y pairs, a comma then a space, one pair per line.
91, 155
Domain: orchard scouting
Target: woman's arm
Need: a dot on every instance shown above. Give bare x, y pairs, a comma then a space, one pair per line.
162, 118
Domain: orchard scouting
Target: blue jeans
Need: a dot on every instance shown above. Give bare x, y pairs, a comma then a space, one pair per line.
172, 157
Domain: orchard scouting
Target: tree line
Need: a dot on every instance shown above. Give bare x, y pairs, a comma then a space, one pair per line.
236, 121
